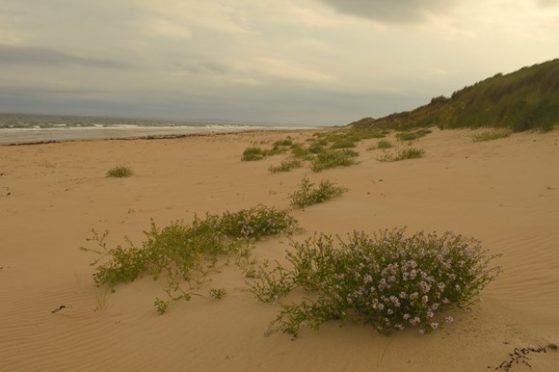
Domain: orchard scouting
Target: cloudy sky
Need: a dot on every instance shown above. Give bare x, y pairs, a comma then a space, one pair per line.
292, 61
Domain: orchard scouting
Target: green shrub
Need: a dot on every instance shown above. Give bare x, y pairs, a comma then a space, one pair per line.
253, 154
120, 172
307, 195
316, 148
255, 223
333, 158
182, 252
412, 135
342, 143
409, 153
217, 293
491, 135
298, 151
388, 280
285, 142
286, 166
383, 144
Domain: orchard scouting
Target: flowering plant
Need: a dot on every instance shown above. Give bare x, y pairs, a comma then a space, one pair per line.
387, 280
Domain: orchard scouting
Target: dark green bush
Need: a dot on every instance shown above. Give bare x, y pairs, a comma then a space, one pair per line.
120, 172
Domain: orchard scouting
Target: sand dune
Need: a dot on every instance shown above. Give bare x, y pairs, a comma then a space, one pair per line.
504, 192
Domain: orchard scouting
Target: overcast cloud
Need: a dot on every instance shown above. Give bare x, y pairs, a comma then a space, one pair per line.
302, 61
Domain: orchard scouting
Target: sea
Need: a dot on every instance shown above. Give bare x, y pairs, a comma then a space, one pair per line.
26, 129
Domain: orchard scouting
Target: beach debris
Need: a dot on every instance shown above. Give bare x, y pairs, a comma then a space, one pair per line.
58, 309
5, 191
520, 356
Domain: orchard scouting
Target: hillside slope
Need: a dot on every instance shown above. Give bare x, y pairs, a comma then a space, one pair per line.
522, 100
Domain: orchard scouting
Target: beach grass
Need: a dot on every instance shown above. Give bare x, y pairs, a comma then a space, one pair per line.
120, 172
491, 135
286, 166
383, 144
253, 154
403, 154
333, 158
412, 135
307, 194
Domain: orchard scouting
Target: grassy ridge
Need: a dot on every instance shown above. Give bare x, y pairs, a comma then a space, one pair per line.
522, 100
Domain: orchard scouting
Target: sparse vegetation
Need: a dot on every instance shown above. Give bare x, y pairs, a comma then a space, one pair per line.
388, 280
333, 158
307, 194
343, 143
403, 154
412, 135
253, 154
491, 135
258, 153
217, 293
285, 142
183, 252
120, 172
383, 144
523, 100
286, 166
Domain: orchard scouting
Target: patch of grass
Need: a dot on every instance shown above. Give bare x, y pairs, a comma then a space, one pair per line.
412, 135
333, 158
299, 151
388, 280
383, 144
183, 252
307, 194
404, 154
120, 172
286, 166
316, 148
285, 142
253, 154
491, 135
217, 293
343, 143
258, 153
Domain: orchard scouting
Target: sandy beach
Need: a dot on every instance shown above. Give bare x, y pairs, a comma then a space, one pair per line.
503, 192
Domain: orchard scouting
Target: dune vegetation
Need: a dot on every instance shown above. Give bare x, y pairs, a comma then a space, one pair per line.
522, 100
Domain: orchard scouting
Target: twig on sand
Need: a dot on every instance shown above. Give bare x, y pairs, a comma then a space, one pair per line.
520, 356
58, 309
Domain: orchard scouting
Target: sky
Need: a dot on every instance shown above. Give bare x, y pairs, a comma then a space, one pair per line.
263, 61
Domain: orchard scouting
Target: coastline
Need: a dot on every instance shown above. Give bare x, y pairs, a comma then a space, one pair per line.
11, 136
167, 136
504, 192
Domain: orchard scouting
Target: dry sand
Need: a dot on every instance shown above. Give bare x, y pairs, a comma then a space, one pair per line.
504, 192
